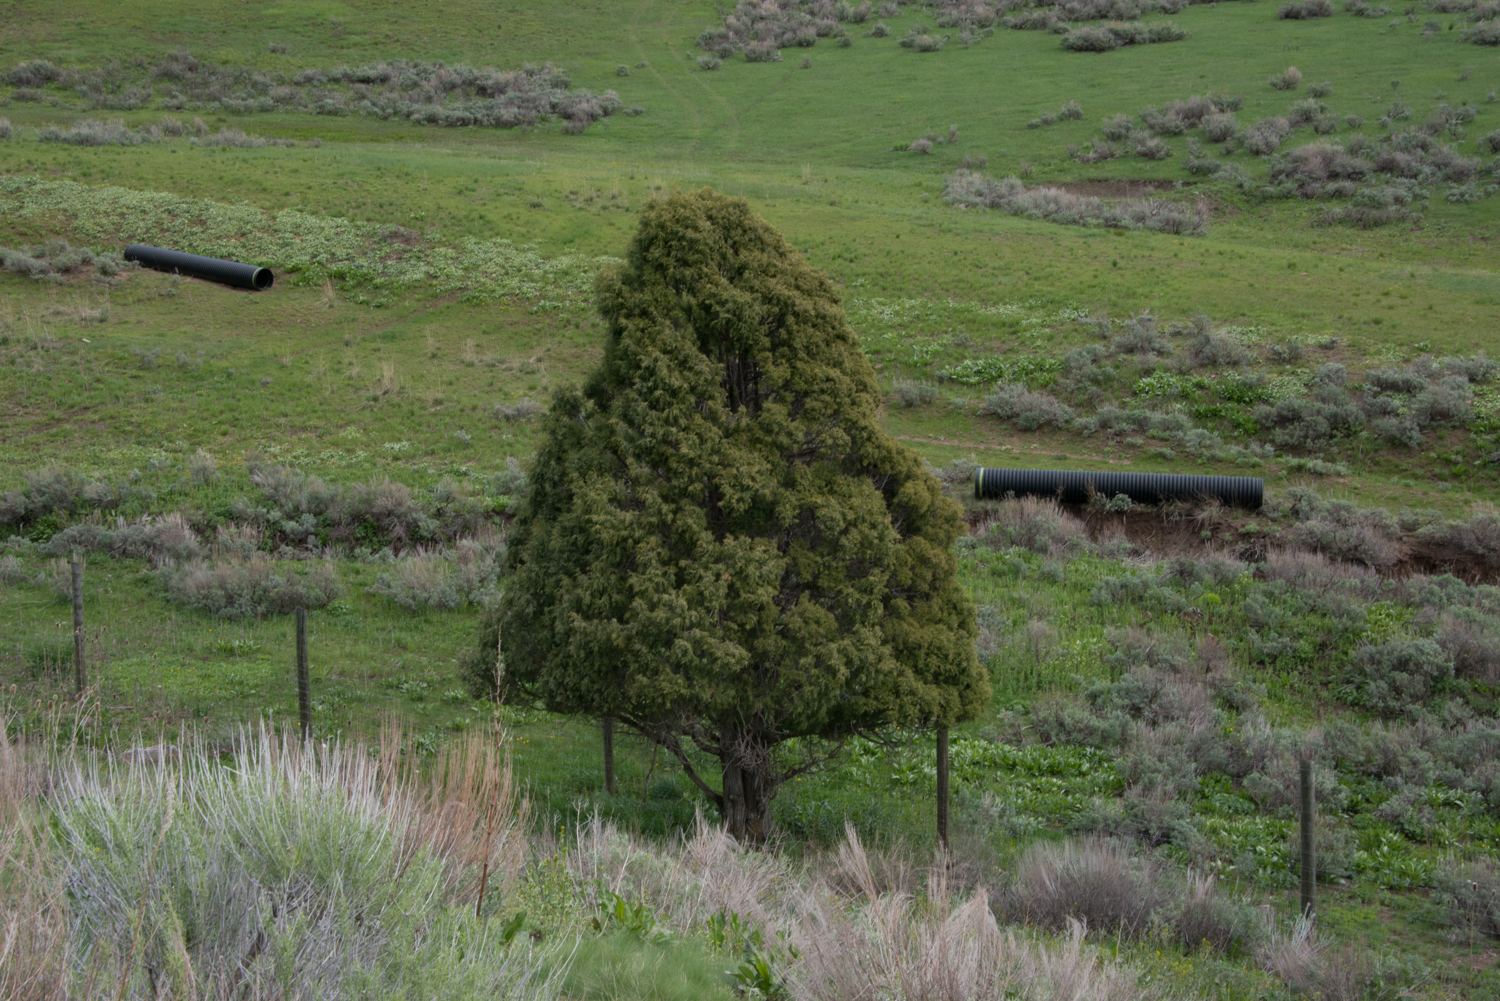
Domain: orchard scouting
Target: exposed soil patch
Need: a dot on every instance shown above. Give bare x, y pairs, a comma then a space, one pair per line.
1181, 530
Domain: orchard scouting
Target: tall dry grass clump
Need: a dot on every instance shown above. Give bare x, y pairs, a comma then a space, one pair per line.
940, 949
33, 912
296, 871
1094, 882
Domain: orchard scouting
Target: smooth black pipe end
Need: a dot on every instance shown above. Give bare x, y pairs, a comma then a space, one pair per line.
250, 276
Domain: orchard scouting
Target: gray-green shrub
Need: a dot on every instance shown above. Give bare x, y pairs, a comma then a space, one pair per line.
292, 872
1470, 898
253, 588
1037, 524
912, 394
1117, 127
1139, 336
1010, 195
1288, 79
1030, 409
1210, 349
1305, 10
1117, 34
90, 132
428, 579
1397, 677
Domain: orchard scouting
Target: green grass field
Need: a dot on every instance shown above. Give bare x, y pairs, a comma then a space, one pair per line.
436, 273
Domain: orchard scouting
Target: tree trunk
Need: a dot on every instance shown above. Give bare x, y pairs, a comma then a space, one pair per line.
747, 787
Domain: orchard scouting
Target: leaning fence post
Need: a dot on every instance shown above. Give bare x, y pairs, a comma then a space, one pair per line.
304, 683
1309, 859
942, 785
79, 675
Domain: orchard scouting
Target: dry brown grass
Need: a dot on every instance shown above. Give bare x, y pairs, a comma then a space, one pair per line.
33, 911
940, 949
1093, 882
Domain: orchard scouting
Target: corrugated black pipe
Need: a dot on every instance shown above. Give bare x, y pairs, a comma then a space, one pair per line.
250, 276
1142, 488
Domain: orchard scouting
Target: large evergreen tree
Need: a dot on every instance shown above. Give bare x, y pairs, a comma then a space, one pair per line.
722, 547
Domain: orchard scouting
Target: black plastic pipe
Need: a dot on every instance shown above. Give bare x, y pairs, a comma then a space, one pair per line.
251, 276
1142, 488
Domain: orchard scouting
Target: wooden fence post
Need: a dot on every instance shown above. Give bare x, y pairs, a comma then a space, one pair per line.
1309, 848
80, 676
304, 682
942, 785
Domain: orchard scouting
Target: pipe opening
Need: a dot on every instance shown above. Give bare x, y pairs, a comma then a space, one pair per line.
262, 279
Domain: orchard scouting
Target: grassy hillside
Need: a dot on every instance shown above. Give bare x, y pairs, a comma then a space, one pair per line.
370, 418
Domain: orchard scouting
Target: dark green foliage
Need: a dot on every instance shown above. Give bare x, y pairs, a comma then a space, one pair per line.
721, 543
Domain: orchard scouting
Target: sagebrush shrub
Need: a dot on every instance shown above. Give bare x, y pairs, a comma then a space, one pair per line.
522, 410
1140, 336
1483, 33
12, 571
1312, 423
1011, 195
1305, 10
511, 481
1037, 524
1397, 677
202, 467
464, 576
1118, 127
1030, 409
253, 588
6, 132
912, 394
1264, 137
1211, 349
162, 540
1350, 541
90, 132
1219, 128
1470, 897
1152, 148
1287, 79
1207, 919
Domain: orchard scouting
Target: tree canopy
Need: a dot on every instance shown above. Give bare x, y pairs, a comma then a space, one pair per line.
722, 547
